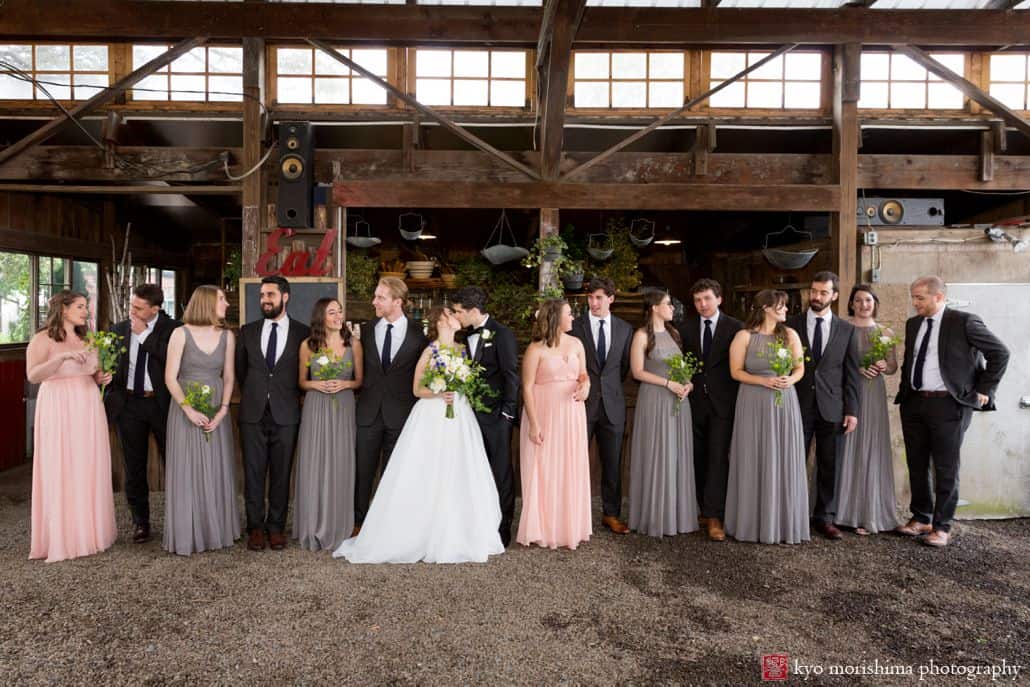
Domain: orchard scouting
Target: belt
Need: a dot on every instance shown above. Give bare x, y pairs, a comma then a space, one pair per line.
145, 394
933, 394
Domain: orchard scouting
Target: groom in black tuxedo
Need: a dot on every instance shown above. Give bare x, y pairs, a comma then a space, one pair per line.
393, 344
267, 360
828, 393
137, 399
952, 366
607, 339
493, 346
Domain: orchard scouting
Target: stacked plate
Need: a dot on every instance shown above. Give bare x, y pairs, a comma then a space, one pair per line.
421, 269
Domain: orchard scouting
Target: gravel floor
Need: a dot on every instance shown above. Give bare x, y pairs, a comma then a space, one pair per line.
620, 610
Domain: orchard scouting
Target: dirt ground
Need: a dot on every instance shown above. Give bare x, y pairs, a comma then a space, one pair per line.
620, 610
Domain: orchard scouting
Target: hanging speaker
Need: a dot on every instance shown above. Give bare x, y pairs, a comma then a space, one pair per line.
901, 211
296, 176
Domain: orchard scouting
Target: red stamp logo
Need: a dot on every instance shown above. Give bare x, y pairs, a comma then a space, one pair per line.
774, 667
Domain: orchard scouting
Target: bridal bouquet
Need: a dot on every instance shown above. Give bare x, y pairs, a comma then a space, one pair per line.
330, 366
449, 370
782, 362
682, 368
882, 345
199, 397
109, 347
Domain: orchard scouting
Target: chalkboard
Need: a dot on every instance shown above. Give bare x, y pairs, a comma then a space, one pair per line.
304, 292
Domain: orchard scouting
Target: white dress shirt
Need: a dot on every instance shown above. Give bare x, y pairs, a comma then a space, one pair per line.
400, 330
714, 319
595, 329
280, 335
473, 340
932, 379
827, 326
134, 343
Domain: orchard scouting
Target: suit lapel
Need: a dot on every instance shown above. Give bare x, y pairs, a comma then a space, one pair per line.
588, 332
409, 341
481, 344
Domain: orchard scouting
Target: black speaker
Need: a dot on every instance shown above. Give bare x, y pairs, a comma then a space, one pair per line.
296, 160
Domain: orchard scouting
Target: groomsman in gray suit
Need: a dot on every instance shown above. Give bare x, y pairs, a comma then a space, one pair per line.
606, 339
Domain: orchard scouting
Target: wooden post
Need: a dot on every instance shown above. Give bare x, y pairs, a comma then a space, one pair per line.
844, 223
549, 226
253, 134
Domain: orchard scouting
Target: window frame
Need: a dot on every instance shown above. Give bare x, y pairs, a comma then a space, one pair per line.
647, 80
825, 82
272, 80
988, 80
927, 111
169, 104
43, 101
529, 98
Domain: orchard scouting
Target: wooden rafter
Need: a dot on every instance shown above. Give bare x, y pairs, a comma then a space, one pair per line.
102, 98
555, 79
444, 121
1001, 4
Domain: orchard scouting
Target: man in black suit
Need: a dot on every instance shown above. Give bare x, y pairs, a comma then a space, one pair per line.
828, 393
392, 344
493, 346
137, 399
952, 366
267, 360
606, 339
713, 401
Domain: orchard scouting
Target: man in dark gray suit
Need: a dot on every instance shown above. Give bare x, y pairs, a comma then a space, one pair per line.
267, 362
952, 366
606, 339
828, 393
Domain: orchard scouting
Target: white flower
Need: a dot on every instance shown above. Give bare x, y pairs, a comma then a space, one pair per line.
463, 373
206, 389
438, 385
885, 340
783, 353
486, 334
323, 360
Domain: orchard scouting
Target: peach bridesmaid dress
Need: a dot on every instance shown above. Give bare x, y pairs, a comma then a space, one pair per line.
556, 473
72, 498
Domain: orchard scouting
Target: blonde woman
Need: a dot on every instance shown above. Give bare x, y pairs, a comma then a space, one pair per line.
200, 500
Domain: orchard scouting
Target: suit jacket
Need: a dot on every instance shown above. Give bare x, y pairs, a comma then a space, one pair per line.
498, 353
389, 391
834, 382
280, 388
714, 376
606, 383
972, 359
156, 347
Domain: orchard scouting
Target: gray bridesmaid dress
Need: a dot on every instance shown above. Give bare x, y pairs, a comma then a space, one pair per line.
662, 498
323, 496
865, 478
767, 491
200, 481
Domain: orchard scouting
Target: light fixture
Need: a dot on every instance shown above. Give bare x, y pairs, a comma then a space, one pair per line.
997, 234
667, 238
426, 236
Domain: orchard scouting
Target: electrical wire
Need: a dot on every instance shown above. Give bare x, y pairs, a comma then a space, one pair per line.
250, 171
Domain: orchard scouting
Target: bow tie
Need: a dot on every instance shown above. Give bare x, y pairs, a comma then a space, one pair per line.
475, 330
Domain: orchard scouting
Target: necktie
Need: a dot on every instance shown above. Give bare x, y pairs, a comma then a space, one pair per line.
273, 343
602, 345
474, 346
139, 373
387, 345
706, 340
917, 374
817, 341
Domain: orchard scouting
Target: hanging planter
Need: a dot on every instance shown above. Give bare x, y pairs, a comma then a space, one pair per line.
600, 246
362, 237
410, 225
788, 259
500, 253
641, 232
572, 274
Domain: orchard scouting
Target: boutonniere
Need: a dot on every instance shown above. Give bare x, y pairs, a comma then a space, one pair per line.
487, 335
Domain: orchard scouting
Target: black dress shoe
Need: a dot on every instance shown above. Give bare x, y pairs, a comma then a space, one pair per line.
141, 534
506, 538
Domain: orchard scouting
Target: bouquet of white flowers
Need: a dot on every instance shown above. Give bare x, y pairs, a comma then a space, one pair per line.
781, 361
449, 370
330, 366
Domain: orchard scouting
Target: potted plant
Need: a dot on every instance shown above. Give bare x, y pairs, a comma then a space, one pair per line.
571, 273
546, 249
361, 274
233, 270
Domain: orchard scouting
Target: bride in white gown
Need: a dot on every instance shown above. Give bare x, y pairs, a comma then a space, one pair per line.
436, 501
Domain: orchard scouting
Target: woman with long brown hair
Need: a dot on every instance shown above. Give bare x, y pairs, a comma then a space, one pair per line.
200, 479
767, 490
323, 514
662, 498
555, 457
72, 499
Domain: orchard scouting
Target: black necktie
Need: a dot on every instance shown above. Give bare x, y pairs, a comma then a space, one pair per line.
387, 344
602, 345
706, 340
273, 343
139, 373
817, 341
917, 375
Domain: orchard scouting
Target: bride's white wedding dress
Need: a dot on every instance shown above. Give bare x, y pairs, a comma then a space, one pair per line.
436, 501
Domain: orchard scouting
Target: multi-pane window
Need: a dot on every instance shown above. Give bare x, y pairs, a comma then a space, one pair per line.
166, 280
470, 78
67, 72
791, 81
628, 79
309, 76
205, 74
52, 277
15, 298
1009, 79
893, 81
86, 279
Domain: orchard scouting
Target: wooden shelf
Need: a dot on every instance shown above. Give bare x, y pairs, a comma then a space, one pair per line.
776, 287
431, 283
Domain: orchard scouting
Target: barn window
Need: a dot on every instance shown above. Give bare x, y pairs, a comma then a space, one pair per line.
66, 71
1009, 79
309, 76
204, 74
891, 81
628, 79
791, 81
470, 78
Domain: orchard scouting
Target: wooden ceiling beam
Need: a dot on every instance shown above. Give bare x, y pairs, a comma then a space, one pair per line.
509, 26
555, 80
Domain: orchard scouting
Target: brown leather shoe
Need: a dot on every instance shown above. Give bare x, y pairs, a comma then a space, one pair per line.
828, 530
702, 521
141, 534
614, 524
914, 528
937, 538
715, 530
277, 541
256, 540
